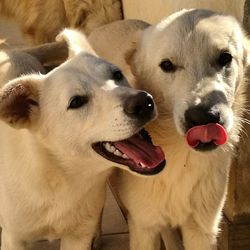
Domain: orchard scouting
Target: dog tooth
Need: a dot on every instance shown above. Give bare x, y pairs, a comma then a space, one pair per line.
107, 146
112, 149
142, 165
117, 152
125, 156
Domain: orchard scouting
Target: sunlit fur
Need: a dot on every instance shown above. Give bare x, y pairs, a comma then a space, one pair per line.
52, 183
191, 191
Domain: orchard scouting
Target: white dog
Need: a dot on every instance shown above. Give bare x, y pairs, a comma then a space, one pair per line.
56, 130
193, 63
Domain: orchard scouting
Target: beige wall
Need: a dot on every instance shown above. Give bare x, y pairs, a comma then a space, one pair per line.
154, 10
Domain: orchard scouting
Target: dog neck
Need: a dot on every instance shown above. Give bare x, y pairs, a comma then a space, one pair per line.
49, 170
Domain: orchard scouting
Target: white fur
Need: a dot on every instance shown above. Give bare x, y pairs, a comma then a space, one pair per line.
191, 191
77, 42
52, 183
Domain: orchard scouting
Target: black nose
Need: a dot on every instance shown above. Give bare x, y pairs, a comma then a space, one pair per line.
139, 106
200, 115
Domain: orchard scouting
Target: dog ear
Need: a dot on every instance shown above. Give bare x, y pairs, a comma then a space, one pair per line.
19, 106
129, 55
80, 19
77, 42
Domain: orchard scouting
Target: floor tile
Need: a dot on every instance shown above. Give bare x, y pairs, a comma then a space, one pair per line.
46, 246
113, 220
115, 242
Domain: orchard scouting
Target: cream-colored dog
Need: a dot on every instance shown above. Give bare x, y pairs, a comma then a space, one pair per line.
60, 135
42, 20
193, 63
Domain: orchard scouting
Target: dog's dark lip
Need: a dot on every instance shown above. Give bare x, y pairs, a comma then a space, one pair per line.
204, 147
99, 148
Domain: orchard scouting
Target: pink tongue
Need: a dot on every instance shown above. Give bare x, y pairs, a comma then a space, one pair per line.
141, 151
205, 134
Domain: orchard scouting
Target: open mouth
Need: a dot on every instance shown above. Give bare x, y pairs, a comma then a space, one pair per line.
206, 137
136, 152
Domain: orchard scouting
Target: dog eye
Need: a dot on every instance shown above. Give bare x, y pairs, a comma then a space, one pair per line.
77, 102
117, 75
167, 66
224, 59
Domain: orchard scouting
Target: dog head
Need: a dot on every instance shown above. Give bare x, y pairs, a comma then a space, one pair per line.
195, 60
84, 109
88, 16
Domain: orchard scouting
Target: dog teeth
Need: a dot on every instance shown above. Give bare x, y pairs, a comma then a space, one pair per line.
117, 152
110, 148
125, 156
107, 146
142, 165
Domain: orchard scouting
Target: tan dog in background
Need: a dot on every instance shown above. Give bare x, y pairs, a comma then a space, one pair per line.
42, 20
193, 63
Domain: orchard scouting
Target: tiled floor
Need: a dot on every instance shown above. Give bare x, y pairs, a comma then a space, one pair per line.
114, 227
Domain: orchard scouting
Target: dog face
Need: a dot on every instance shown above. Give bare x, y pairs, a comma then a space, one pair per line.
94, 103
195, 59
84, 110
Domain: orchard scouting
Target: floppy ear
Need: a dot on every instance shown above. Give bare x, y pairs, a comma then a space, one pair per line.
77, 12
80, 18
129, 55
19, 105
77, 42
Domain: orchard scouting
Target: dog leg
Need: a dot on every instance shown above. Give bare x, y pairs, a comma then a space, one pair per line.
194, 238
96, 243
171, 238
72, 243
77, 243
9, 242
143, 239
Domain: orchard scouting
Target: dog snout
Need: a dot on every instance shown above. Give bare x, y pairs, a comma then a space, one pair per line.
200, 115
140, 106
